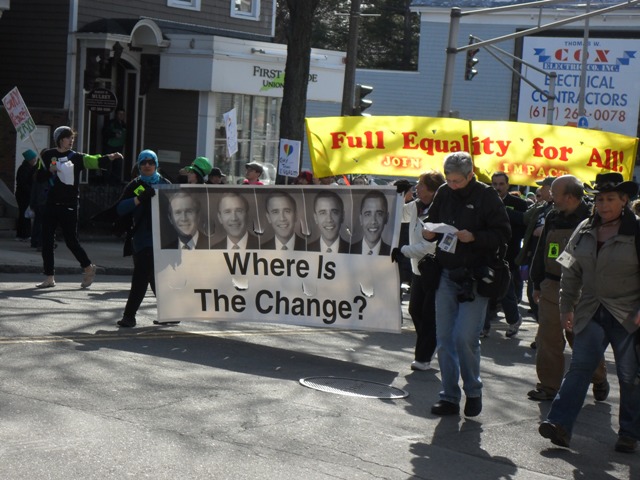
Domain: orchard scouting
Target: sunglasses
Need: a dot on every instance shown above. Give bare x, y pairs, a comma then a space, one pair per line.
147, 162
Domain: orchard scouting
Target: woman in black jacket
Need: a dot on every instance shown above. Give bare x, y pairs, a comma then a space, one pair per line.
481, 229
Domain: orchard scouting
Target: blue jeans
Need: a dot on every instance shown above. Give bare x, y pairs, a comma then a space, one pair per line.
458, 327
588, 347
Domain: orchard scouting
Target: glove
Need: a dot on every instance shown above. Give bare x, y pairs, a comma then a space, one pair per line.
396, 255
144, 193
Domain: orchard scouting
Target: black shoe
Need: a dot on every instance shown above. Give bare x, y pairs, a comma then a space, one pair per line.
127, 322
626, 444
540, 395
445, 408
601, 391
473, 406
557, 434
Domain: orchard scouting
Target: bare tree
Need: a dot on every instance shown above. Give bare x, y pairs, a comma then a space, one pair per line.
296, 74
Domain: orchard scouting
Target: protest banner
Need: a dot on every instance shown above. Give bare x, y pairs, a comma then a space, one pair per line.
228, 262
529, 152
394, 146
408, 146
19, 113
231, 131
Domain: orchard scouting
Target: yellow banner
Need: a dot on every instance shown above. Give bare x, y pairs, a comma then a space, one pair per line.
528, 152
395, 146
408, 146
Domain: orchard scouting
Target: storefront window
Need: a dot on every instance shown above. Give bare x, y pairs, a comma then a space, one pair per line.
258, 131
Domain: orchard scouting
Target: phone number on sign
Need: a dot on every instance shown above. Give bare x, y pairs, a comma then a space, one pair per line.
569, 114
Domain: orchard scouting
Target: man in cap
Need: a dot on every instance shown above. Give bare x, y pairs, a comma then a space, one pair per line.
216, 177
569, 209
534, 221
252, 175
282, 216
184, 216
198, 171
233, 215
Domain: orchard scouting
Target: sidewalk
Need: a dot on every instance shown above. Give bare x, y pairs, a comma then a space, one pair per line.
105, 252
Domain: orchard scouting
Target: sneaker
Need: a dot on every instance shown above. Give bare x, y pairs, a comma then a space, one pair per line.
540, 395
513, 329
127, 322
422, 366
626, 444
48, 283
484, 333
601, 391
445, 408
89, 276
473, 406
557, 434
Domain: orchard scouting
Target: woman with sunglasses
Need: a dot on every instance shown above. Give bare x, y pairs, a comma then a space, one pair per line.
135, 205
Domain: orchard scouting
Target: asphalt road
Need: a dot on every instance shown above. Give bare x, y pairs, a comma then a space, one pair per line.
80, 399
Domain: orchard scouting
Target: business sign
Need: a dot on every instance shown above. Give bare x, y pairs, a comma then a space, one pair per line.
19, 114
286, 254
101, 101
612, 96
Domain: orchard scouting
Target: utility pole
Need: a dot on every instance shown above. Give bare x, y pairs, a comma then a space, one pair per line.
352, 57
583, 68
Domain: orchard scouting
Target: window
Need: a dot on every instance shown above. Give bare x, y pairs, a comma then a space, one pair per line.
249, 9
258, 135
186, 4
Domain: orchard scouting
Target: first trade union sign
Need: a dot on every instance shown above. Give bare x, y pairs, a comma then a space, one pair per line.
101, 101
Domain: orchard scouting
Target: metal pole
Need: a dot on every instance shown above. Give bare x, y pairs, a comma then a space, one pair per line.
551, 99
352, 57
583, 68
447, 86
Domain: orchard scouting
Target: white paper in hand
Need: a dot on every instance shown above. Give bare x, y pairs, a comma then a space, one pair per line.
65, 171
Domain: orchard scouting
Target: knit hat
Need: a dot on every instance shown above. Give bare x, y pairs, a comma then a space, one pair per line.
200, 165
29, 155
62, 131
147, 154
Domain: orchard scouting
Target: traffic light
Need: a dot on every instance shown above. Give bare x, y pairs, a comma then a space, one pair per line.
361, 103
469, 70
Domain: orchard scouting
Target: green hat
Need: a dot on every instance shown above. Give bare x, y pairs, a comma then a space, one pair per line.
29, 155
200, 165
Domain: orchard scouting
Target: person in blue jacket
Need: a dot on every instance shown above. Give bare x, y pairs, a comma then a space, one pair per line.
135, 202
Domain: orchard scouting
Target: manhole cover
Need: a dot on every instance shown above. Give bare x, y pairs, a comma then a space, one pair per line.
353, 387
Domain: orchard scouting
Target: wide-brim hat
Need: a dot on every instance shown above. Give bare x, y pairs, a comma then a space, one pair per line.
612, 182
200, 165
255, 166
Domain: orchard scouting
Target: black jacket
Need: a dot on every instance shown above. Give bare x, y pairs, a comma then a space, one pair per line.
477, 208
